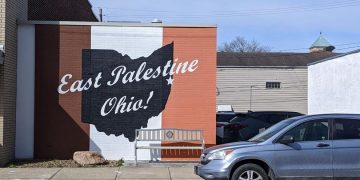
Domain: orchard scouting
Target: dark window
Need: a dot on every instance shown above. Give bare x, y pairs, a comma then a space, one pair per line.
262, 117
224, 117
277, 118
273, 85
346, 129
239, 118
310, 131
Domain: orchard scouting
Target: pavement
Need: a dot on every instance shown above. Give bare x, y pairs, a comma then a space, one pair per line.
125, 172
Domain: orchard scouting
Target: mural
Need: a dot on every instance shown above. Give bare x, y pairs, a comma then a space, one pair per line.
134, 90
120, 94
94, 85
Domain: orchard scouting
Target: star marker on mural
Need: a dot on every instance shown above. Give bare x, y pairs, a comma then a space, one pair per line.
170, 80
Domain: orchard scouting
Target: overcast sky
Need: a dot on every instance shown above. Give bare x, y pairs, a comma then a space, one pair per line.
279, 24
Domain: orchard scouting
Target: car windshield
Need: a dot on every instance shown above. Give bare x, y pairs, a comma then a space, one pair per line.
272, 130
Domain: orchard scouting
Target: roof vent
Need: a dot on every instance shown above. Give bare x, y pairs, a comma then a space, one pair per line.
156, 21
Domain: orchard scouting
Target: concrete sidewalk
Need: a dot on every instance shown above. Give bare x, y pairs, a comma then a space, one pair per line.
126, 172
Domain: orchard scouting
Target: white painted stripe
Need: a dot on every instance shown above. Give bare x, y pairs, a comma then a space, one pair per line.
135, 42
25, 92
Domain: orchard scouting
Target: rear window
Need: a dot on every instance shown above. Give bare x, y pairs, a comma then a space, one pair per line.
240, 118
224, 117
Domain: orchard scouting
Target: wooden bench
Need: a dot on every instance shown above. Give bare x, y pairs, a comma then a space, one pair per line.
170, 136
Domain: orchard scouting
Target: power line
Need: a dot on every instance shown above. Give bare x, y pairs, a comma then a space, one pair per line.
336, 45
312, 6
349, 47
295, 9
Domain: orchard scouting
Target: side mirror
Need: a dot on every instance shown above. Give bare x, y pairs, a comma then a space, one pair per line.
287, 139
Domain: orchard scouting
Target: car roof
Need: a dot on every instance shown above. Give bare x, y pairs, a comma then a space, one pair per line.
273, 112
268, 112
228, 112
334, 115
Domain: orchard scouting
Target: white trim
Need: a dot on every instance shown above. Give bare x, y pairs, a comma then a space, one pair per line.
25, 100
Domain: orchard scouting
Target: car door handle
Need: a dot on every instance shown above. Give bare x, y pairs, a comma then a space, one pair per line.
323, 145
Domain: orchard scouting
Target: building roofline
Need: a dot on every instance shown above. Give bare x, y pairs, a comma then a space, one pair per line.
334, 57
119, 24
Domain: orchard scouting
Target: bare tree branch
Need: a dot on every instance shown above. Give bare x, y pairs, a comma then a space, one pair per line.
240, 44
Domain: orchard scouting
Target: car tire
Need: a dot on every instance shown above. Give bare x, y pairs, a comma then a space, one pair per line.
247, 170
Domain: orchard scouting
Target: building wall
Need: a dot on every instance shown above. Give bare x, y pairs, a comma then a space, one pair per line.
334, 85
192, 100
60, 10
234, 88
77, 118
135, 42
10, 10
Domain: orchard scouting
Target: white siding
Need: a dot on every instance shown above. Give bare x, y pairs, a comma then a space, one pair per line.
233, 87
25, 92
135, 42
334, 85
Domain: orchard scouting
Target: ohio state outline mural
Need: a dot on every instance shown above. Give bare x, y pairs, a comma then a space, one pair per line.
121, 94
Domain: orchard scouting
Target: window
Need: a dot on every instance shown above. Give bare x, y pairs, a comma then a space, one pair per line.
273, 85
277, 118
346, 129
310, 131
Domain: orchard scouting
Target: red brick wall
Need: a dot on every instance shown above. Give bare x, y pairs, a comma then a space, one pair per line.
192, 102
58, 127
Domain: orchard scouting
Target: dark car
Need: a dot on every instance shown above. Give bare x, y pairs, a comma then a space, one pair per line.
223, 118
245, 126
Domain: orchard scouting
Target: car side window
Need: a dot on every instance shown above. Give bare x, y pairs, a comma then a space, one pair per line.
316, 130
346, 129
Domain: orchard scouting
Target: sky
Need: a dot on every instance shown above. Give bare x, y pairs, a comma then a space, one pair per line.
282, 25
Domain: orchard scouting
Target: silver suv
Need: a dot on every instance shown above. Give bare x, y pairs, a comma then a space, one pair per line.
306, 147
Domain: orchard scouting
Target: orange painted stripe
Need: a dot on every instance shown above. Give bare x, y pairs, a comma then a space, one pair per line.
192, 101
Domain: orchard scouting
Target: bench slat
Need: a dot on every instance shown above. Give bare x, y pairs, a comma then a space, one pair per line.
169, 135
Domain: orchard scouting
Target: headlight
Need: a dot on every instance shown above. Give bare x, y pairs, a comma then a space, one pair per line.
219, 154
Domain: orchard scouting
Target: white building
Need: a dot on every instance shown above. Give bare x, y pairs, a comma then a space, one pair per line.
334, 84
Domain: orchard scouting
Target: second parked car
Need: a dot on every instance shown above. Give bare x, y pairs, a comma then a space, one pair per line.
247, 125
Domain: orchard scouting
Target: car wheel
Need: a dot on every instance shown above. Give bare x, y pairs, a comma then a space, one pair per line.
249, 172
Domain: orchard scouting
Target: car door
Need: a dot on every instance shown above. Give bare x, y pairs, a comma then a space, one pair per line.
346, 148
310, 154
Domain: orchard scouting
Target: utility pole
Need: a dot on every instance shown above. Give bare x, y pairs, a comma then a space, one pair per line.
101, 14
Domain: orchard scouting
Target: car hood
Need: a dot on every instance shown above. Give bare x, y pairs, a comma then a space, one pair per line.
229, 146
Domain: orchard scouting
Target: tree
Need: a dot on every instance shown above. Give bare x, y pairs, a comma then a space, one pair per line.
240, 44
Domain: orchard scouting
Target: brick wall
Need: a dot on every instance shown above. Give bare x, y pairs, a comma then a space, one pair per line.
9, 11
61, 10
